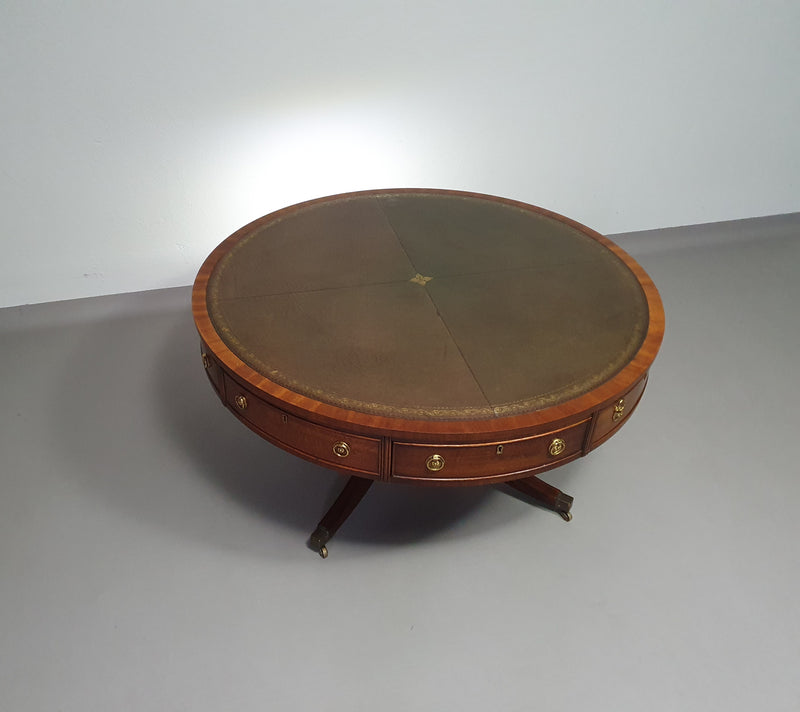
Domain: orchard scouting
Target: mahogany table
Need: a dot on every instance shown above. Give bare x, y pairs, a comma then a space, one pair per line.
427, 336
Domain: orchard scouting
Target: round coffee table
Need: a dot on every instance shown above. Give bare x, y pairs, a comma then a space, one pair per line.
427, 336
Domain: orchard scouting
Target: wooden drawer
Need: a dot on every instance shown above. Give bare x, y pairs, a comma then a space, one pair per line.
411, 461
213, 371
607, 421
334, 448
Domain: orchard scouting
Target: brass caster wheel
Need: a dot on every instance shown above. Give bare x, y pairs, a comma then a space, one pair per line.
566, 516
318, 540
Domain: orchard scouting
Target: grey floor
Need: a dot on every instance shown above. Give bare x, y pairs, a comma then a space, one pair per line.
152, 549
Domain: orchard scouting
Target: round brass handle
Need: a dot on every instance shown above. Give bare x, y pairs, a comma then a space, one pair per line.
435, 463
241, 402
341, 449
557, 447
619, 409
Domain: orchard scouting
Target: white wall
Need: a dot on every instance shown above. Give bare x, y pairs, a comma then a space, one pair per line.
136, 136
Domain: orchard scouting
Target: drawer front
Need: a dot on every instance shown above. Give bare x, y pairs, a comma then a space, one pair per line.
411, 461
338, 449
612, 417
213, 371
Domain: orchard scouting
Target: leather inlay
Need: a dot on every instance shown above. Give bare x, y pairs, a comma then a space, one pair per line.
428, 306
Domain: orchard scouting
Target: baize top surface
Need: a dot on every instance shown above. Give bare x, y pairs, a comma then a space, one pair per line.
427, 306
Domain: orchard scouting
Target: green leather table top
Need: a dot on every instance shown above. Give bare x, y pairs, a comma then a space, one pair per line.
427, 305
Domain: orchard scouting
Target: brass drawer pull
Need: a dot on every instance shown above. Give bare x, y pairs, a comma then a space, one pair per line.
241, 402
341, 449
206, 360
619, 409
557, 447
435, 463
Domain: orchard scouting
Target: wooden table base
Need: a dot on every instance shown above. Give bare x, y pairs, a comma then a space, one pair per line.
340, 510
356, 487
546, 495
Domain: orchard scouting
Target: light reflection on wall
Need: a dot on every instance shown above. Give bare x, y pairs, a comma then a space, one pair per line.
271, 164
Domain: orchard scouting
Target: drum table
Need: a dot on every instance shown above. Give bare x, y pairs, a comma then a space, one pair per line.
427, 336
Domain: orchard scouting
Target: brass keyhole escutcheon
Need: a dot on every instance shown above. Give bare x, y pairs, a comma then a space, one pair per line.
206, 360
557, 447
241, 402
341, 449
619, 409
499, 449
435, 463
